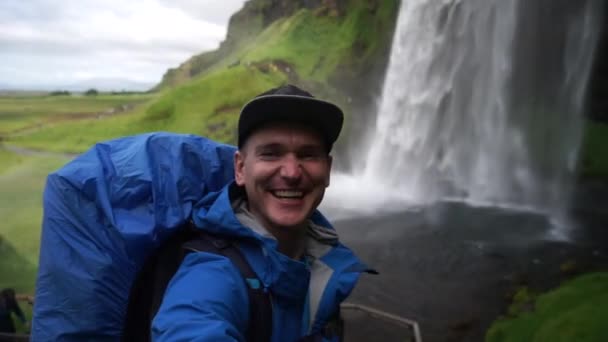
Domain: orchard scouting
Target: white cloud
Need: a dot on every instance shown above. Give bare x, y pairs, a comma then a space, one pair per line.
54, 43
214, 11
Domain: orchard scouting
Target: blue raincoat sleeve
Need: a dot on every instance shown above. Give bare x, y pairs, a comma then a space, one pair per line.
104, 212
205, 301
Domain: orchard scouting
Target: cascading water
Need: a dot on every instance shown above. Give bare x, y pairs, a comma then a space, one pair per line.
482, 101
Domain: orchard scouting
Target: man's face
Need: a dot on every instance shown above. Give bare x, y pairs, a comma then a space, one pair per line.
285, 170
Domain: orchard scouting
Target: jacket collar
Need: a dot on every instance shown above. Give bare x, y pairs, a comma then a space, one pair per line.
331, 272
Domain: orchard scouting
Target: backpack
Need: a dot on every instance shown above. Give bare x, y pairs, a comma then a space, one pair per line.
117, 217
149, 287
104, 214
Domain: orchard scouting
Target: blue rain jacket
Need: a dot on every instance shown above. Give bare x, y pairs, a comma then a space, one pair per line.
207, 298
104, 212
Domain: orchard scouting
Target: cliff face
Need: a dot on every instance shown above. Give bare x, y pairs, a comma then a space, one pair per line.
250, 21
337, 49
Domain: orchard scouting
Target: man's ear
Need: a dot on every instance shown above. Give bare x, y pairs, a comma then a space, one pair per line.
330, 159
239, 165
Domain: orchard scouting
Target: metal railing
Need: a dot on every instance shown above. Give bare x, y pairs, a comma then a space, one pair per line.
383, 315
388, 317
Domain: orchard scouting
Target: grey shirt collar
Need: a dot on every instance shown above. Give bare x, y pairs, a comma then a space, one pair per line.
319, 239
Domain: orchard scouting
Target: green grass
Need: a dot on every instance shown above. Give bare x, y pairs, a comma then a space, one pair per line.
21, 213
23, 112
8, 160
79, 135
594, 154
576, 311
208, 106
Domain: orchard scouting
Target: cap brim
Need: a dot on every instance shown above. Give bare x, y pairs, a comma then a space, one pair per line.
321, 115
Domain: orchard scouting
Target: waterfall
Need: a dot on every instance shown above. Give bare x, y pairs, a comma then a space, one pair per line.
483, 102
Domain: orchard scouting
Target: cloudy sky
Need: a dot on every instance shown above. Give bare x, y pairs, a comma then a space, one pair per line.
50, 43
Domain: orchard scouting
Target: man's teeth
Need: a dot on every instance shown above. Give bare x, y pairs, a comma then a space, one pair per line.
288, 193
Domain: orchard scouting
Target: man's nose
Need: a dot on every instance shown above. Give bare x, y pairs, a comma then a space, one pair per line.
291, 168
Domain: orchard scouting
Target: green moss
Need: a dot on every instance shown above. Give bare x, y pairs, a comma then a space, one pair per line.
594, 155
575, 311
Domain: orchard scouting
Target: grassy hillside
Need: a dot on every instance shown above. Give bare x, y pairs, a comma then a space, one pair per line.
312, 48
574, 312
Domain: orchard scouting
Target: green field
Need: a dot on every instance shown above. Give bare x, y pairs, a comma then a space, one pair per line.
23, 113
22, 175
21, 212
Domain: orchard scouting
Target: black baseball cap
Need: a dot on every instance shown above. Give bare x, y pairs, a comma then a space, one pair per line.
289, 103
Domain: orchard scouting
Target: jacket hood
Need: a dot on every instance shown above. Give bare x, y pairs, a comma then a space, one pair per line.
217, 213
325, 278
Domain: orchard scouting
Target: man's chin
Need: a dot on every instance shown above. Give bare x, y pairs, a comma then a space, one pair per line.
291, 223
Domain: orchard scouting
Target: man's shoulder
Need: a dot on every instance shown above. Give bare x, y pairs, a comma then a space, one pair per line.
206, 275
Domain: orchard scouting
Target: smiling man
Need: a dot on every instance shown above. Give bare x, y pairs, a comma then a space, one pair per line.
300, 270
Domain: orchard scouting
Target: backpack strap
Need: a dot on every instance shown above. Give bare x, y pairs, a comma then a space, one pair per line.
260, 306
332, 329
148, 289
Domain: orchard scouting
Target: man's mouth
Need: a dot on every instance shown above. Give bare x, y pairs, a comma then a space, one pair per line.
288, 194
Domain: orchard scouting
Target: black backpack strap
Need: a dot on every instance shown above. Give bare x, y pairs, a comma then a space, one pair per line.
334, 328
148, 289
260, 306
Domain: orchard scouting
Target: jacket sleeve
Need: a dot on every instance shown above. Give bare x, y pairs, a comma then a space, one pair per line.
205, 301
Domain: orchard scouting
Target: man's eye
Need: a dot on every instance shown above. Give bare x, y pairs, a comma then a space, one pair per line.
269, 154
310, 155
